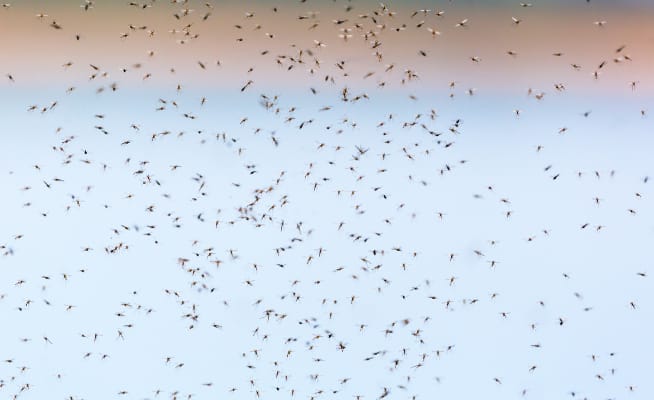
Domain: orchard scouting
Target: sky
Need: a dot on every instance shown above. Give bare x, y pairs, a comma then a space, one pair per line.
240, 203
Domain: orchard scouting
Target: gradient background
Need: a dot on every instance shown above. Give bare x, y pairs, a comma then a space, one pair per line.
611, 148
